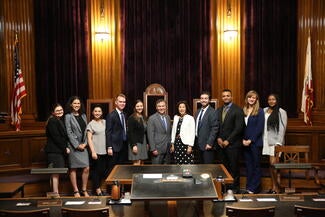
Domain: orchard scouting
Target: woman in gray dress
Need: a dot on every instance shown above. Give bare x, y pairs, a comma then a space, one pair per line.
76, 122
137, 125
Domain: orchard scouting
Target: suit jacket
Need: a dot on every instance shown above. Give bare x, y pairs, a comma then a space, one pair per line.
159, 138
76, 137
114, 131
187, 130
136, 131
207, 131
231, 129
274, 137
255, 128
57, 138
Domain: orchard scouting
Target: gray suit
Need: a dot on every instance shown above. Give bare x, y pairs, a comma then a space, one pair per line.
159, 138
207, 133
77, 159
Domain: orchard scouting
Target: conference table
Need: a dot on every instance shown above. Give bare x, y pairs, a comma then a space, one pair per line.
124, 173
166, 182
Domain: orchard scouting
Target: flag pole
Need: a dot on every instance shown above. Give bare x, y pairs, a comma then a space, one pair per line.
19, 90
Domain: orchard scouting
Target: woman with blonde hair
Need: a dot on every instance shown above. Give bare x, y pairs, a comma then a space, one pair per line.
253, 141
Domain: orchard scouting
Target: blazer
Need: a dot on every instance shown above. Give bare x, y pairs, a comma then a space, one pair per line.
231, 129
274, 137
187, 131
207, 131
136, 131
255, 128
76, 137
114, 131
57, 138
159, 138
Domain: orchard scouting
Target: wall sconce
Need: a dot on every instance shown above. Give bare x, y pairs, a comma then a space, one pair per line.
229, 32
102, 34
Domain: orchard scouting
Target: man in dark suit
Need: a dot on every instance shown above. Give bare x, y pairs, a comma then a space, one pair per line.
206, 128
229, 139
116, 138
158, 132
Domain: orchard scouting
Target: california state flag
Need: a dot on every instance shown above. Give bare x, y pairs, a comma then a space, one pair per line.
307, 100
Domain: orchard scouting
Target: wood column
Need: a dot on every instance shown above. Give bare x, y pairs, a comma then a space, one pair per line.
226, 53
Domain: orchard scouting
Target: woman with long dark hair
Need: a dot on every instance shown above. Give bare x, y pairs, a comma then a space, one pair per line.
274, 132
137, 136
76, 123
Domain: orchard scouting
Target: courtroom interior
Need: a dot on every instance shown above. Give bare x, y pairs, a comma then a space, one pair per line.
162, 49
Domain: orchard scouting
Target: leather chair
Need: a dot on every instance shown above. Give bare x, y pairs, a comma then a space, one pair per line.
96, 212
25, 213
232, 211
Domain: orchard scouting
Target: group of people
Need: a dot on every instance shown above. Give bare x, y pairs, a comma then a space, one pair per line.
222, 133
252, 131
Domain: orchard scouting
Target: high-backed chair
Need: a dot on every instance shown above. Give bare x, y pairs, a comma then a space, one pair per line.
304, 211
232, 211
25, 213
93, 212
152, 93
294, 161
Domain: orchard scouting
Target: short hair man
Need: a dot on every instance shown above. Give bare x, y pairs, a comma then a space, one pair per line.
116, 138
206, 129
159, 131
230, 135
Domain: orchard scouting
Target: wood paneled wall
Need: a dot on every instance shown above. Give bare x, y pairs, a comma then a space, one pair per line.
106, 78
106, 64
17, 17
226, 60
311, 18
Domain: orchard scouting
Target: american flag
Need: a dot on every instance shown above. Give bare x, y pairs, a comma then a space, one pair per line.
19, 90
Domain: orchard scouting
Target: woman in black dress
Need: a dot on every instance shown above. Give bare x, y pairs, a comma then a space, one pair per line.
57, 143
137, 137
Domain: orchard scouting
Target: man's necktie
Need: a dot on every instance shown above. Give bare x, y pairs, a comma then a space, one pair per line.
123, 125
163, 118
224, 112
200, 117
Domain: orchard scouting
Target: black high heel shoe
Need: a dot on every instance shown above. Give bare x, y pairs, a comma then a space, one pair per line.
271, 192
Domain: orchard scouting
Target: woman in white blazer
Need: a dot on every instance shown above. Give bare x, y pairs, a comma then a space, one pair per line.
183, 135
274, 132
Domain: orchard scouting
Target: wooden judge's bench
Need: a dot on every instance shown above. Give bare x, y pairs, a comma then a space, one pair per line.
21, 151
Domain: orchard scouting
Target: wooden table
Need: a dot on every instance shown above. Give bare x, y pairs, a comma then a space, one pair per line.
55, 205
9, 189
124, 173
172, 188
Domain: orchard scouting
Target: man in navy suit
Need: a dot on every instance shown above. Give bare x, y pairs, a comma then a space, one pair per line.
206, 129
116, 138
229, 139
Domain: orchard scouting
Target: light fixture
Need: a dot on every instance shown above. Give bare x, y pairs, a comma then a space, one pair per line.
102, 33
230, 33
